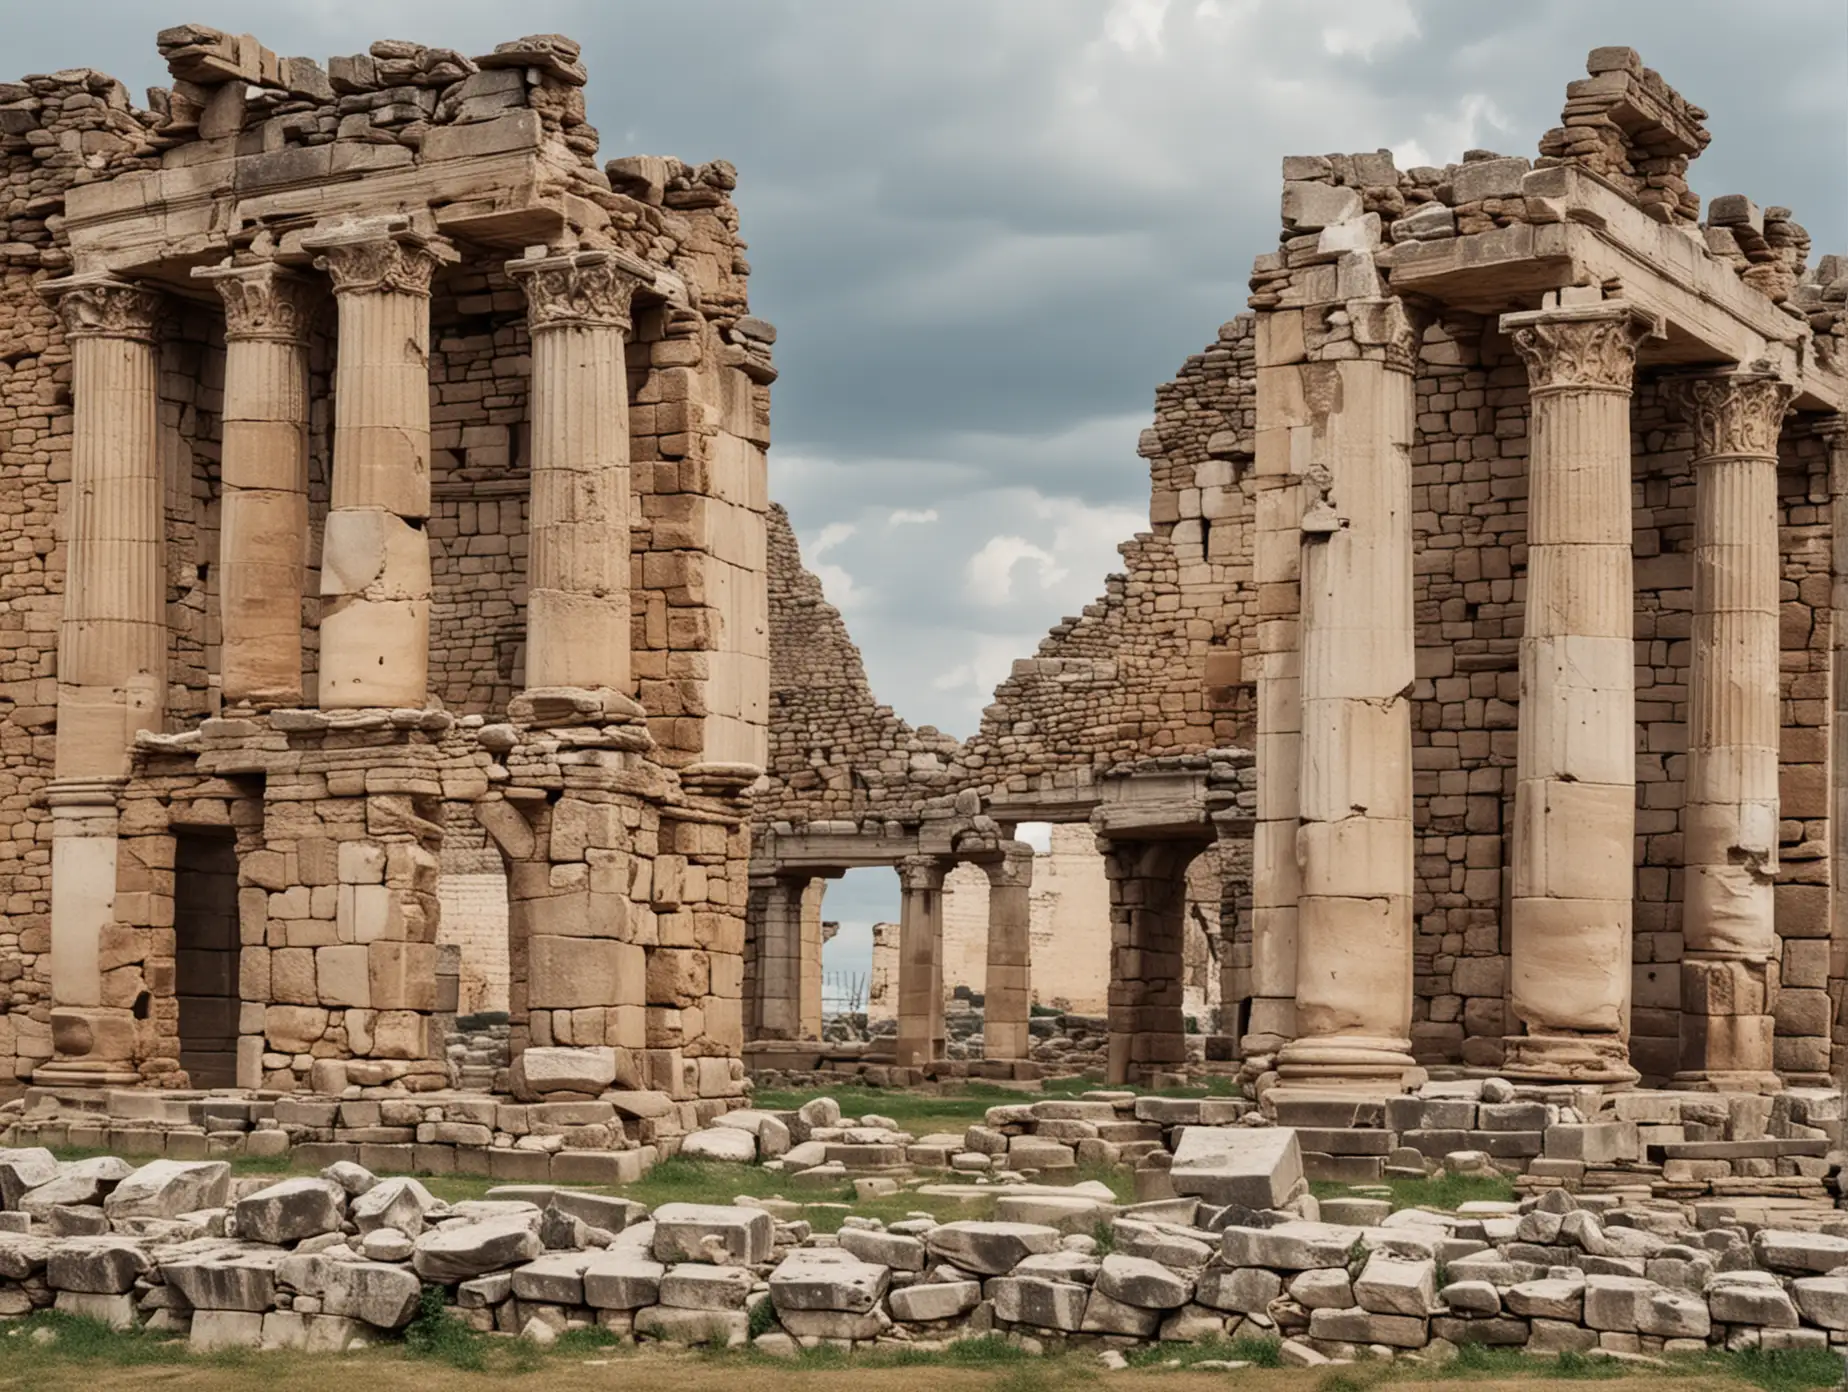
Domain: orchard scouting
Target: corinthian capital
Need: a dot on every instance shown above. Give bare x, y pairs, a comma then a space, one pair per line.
367, 255
100, 306
263, 301
1588, 347
580, 288
1734, 413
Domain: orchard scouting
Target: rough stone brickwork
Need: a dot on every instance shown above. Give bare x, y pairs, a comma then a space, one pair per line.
405, 179
1199, 643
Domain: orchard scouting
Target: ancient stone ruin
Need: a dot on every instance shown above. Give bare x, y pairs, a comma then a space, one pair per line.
424, 750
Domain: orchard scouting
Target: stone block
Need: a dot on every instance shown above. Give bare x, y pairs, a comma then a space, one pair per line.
1256, 1167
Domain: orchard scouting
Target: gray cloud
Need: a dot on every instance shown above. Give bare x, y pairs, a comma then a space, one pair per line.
987, 231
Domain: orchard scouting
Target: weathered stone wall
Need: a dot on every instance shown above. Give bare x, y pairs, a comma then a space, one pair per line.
699, 375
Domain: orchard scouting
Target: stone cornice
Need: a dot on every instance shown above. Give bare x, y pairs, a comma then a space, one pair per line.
100, 306
263, 302
1734, 414
589, 289
1588, 347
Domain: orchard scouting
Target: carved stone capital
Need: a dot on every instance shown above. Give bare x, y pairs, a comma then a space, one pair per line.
1734, 414
369, 255
921, 872
100, 306
591, 289
1581, 347
263, 301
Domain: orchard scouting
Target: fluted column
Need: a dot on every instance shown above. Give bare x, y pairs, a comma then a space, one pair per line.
920, 961
1575, 792
112, 655
264, 523
112, 637
1354, 844
577, 605
1729, 823
375, 556
1006, 987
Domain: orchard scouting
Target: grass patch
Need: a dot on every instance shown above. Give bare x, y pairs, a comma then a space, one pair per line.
436, 1334
48, 1336
1785, 1370
1444, 1192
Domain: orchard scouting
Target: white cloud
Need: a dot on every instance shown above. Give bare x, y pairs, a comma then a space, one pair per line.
1361, 27
991, 570
837, 583
1133, 24
911, 517
1464, 127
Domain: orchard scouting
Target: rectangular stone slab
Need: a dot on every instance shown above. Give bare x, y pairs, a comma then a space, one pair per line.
1259, 1167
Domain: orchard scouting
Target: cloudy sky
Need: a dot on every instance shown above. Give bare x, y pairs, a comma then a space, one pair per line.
986, 229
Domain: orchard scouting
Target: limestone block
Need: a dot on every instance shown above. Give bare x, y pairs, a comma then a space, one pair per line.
1143, 1283
342, 976
1104, 1314
213, 1330
22, 1169
1358, 1326
1035, 1301
538, 1071
1798, 1252
1327, 1289
821, 1278
556, 1277
1292, 1246
380, 1295
95, 1265
227, 1279
713, 1233
621, 1280
950, 1299
401, 1204
291, 1210
169, 1188
1309, 207
1750, 1297
1257, 1167
400, 975
458, 1252
1557, 1298
720, 1143
989, 1249
1390, 1285
722, 1328
1242, 1290
1823, 1300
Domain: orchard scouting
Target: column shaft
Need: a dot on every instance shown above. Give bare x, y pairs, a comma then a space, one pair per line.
1354, 844
577, 609
375, 557
778, 967
264, 520
1729, 823
1006, 988
920, 962
112, 637
1575, 793
112, 659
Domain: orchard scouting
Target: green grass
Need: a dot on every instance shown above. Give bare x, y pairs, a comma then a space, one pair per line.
1446, 1192
1260, 1353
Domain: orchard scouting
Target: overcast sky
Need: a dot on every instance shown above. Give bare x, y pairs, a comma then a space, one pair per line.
987, 229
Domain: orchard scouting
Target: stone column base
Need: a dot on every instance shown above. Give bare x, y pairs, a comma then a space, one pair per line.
1349, 1063
1569, 1059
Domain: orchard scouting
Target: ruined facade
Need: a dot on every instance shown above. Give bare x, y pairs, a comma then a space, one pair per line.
384, 476
1505, 533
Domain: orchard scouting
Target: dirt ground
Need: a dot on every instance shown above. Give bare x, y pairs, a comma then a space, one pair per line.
286, 1373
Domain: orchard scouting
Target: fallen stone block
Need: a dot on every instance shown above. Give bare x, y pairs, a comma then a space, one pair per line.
987, 1248
1258, 1167
723, 1328
169, 1188
1146, 1284
618, 1280
938, 1301
712, 1233
1291, 1246
697, 1286
456, 1252
291, 1210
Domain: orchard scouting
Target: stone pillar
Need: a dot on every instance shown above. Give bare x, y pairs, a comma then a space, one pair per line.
1354, 842
1283, 436
1007, 993
1148, 911
777, 966
577, 606
112, 656
1729, 823
264, 524
1575, 792
1834, 431
920, 961
112, 636
809, 994
375, 556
